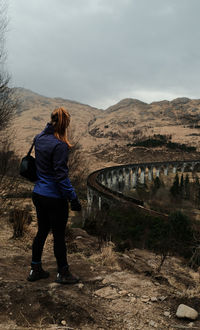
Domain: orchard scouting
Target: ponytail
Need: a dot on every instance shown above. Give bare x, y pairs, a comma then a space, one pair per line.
60, 119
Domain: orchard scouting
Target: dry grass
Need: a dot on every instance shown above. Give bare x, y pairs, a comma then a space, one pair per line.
106, 257
19, 218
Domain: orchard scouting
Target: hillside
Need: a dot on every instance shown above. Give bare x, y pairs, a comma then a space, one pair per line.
106, 135
35, 110
116, 290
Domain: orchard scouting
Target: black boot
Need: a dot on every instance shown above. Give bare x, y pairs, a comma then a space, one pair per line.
65, 277
37, 272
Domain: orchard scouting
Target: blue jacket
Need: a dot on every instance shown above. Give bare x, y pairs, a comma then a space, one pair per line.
51, 157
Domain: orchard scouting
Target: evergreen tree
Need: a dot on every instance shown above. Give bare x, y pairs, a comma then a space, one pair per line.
197, 181
198, 198
187, 187
156, 184
182, 186
197, 192
175, 189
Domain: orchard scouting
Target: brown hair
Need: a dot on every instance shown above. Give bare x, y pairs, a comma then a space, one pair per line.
60, 119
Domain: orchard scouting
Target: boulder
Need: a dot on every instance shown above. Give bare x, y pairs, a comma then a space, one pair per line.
184, 311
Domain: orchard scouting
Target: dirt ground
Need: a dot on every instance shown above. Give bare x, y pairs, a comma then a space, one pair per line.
116, 290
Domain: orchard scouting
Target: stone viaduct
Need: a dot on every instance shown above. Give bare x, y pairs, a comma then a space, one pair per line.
107, 186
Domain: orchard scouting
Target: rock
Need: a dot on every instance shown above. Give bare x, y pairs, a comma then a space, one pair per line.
184, 311
153, 324
107, 292
80, 285
153, 299
95, 279
167, 314
63, 322
123, 293
105, 281
162, 298
130, 294
98, 278
191, 324
53, 285
145, 299
125, 256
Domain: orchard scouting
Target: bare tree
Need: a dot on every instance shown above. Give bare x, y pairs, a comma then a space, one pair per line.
3, 27
8, 101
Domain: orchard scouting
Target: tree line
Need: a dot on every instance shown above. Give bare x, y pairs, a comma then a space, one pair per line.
182, 188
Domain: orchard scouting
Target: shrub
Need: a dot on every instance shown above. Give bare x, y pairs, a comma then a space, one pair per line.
19, 219
131, 228
158, 140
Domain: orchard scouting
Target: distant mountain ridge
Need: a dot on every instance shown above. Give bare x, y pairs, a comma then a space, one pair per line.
105, 134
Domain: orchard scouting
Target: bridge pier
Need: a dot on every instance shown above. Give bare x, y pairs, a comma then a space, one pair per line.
142, 175
174, 170
134, 178
150, 173
121, 178
166, 170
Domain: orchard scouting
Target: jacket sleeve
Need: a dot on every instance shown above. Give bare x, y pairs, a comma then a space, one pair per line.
60, 158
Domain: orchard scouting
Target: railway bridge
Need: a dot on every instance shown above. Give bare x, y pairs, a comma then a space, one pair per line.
107, 186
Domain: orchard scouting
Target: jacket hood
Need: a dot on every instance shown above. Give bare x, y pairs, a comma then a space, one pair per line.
49, 129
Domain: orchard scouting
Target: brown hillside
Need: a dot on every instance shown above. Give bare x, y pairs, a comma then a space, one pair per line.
105, 134
116, 290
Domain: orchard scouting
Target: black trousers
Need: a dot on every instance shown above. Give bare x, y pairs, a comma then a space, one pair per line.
52, 213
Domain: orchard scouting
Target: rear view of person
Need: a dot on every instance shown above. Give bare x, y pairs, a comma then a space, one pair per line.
51, 194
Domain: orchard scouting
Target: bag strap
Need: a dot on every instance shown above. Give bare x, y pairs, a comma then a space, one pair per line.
31, 148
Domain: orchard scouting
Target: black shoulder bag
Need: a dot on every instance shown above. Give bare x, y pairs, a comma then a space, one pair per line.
27, 166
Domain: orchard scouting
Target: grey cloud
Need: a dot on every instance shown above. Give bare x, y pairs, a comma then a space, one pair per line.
95, 51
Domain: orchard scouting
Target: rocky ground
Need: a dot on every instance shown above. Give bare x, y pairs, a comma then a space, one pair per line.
116, 290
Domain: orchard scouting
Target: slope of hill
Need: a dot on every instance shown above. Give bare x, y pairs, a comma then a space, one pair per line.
35, 110
107, 136
116, 290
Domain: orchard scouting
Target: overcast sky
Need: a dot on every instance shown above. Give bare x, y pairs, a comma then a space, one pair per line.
100, 51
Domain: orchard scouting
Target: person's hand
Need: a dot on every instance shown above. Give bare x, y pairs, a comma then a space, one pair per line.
75, 205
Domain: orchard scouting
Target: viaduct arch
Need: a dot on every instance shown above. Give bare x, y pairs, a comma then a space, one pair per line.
106, 186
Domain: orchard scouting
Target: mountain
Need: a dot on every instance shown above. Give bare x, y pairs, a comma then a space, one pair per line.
109, 136
35, 111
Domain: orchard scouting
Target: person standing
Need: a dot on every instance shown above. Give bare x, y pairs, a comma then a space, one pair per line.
51, 195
